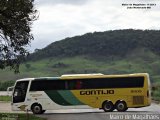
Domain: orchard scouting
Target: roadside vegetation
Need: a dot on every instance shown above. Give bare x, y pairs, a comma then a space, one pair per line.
156, 92
4, 84
5, 98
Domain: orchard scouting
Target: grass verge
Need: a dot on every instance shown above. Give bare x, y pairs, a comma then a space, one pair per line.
5, 98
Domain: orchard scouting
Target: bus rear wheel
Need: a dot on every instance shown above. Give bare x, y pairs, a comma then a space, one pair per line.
108, 106
121, 106
37, 109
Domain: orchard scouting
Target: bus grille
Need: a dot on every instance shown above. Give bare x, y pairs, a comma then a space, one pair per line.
137, 100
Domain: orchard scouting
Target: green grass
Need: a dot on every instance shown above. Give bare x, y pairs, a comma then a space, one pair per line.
15, 116
5, 98
82, 64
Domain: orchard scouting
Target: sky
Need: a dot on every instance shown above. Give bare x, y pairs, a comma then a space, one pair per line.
59, 19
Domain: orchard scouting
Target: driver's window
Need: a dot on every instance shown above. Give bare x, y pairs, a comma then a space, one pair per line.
20, 91
17, 93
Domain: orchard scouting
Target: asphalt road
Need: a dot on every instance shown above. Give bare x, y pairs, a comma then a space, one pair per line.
146, 113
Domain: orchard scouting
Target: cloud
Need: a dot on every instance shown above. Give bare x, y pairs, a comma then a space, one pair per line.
68, 18
55, 2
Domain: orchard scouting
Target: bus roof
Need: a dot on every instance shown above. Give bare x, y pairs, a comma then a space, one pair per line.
70, 75
77, 76
40, 78
100, 75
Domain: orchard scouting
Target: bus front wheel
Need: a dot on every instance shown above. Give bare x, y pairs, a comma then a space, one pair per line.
121, 106
36, 108
108, 106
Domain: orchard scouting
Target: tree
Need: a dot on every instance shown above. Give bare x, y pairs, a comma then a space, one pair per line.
16, 18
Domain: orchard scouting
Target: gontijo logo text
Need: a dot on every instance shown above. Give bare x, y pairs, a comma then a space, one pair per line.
96, 92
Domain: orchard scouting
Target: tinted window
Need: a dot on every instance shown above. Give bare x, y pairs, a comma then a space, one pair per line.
95, 83
40, 85
92, 83
20, 90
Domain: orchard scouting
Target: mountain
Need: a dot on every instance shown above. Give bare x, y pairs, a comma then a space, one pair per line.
109, 52
119, 43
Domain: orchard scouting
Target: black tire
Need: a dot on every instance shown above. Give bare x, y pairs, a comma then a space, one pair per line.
37, 109
121, 106
108, 106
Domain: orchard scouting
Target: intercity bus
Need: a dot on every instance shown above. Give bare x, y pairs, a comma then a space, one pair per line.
107, 92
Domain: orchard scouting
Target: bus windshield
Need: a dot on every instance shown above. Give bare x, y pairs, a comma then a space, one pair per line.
20, 90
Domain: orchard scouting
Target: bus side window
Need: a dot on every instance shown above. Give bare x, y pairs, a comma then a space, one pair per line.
78, 84
71, 84
74, 84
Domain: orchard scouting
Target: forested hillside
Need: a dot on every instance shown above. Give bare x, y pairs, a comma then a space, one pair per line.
109, 52
119, 43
